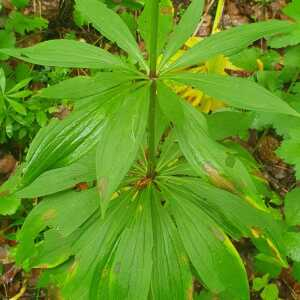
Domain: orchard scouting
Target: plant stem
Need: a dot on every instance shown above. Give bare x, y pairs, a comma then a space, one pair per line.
153, 93
151, 128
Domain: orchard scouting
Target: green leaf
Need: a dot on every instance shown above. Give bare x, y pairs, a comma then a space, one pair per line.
171, 275
111, 25
165, 23
222, 124
120, 142
131, 266
184, 30
208, 159
7, 40
292, 243
228, 89
292, 57
284, 40
60, 179
21, 94
20, 85
270, 292
247, 59
74, 136
20, 3
208, 248
9, 204
237, 218
293, 10
292, 207
289, 150
54, 250
83, 87
95, 247
68, 54
23, 24
41, 118
296, 271
17, 106
52, 212
2, 81
230, 41
260, 282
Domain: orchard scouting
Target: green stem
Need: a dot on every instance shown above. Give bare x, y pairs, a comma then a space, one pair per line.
151, 133
153, 94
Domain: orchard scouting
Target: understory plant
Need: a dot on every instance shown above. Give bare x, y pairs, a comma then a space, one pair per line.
161, 200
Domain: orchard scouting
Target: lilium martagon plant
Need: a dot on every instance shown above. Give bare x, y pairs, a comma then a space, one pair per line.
159, 213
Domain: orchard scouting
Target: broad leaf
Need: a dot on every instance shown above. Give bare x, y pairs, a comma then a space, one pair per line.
289, 150
236, 217
54, 250
111, 25
228, 89
83, 87
292, 242
95, 246
230, 41
60, 179
165, 23
120, 142
73, 136
171, 276
208, 248
9, 202
208, 158
131, 264
292, 207
51, 212
69, 54
184, 30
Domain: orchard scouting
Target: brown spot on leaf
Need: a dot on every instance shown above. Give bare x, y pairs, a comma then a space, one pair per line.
49, 214
102, 186
218, 234
167, 10
217, 179
82, 186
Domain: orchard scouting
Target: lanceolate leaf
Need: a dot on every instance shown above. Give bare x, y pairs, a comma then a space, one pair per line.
131, 267
120, 141
2, 81
61, 139
236, 217
111, 25
184, 30
207, 157
171, 276
9, 202
165, 23
208, 248
230, 41
83, 87
60, 179
95, 246
237, 92
69, 54
52, 212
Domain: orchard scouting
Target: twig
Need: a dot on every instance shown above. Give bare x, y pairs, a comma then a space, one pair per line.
21, 292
